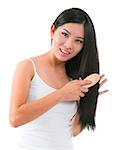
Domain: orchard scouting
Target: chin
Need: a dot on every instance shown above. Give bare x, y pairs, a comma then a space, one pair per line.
63, 59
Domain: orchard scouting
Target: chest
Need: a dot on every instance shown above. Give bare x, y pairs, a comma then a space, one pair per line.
55, 78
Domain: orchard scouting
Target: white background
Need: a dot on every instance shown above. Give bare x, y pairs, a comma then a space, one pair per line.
25, 32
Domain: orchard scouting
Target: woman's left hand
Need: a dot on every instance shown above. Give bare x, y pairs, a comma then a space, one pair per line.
101, 83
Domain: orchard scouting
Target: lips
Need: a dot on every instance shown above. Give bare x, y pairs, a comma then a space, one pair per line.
64, 51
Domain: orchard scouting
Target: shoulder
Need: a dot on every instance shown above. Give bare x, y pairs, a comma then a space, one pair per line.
25, 65
25, 68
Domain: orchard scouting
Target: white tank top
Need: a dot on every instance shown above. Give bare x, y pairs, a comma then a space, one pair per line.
52, 130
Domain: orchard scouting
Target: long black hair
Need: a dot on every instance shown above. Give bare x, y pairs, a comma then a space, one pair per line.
84, 63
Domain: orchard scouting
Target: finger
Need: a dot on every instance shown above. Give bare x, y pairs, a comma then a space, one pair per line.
84, 82
84, 90
82, 94
80, 78
102, 82
102, 92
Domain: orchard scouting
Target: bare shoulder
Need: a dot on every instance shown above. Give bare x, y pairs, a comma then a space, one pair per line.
25, 68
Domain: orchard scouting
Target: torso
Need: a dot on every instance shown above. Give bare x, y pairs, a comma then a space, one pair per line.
44, 132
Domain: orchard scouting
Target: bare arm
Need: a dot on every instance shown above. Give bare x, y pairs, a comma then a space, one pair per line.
22, 111
76, 126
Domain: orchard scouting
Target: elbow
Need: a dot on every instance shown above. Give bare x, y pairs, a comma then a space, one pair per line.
14, 121
14, 124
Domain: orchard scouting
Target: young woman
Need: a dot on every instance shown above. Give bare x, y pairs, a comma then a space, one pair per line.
50, 99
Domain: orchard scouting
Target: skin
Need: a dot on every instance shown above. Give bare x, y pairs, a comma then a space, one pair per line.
69, 38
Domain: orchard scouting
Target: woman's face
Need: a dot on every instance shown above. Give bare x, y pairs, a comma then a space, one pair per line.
67, 40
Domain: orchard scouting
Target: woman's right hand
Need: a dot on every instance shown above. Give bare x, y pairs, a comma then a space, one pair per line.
74, 90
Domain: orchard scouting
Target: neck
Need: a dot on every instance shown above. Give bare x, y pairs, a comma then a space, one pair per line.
53, 61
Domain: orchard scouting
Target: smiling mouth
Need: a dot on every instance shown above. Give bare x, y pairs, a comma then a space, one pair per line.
64, 52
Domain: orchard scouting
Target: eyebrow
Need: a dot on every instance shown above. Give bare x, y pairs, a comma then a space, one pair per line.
70, 34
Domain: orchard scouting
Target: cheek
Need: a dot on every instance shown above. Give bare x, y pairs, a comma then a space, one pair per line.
58, 40
77, 49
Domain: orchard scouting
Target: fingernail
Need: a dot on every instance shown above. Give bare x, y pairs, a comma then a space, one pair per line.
80, 78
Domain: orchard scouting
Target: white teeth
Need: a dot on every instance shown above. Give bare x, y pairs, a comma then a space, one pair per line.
64, 51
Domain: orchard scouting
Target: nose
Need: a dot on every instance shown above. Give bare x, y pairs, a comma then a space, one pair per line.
68, 43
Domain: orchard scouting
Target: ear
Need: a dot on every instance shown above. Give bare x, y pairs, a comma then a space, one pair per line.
52, 31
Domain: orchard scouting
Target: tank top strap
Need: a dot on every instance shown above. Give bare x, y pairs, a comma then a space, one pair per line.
33, 64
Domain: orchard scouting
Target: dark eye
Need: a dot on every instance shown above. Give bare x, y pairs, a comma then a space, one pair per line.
79, 41
65, 34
